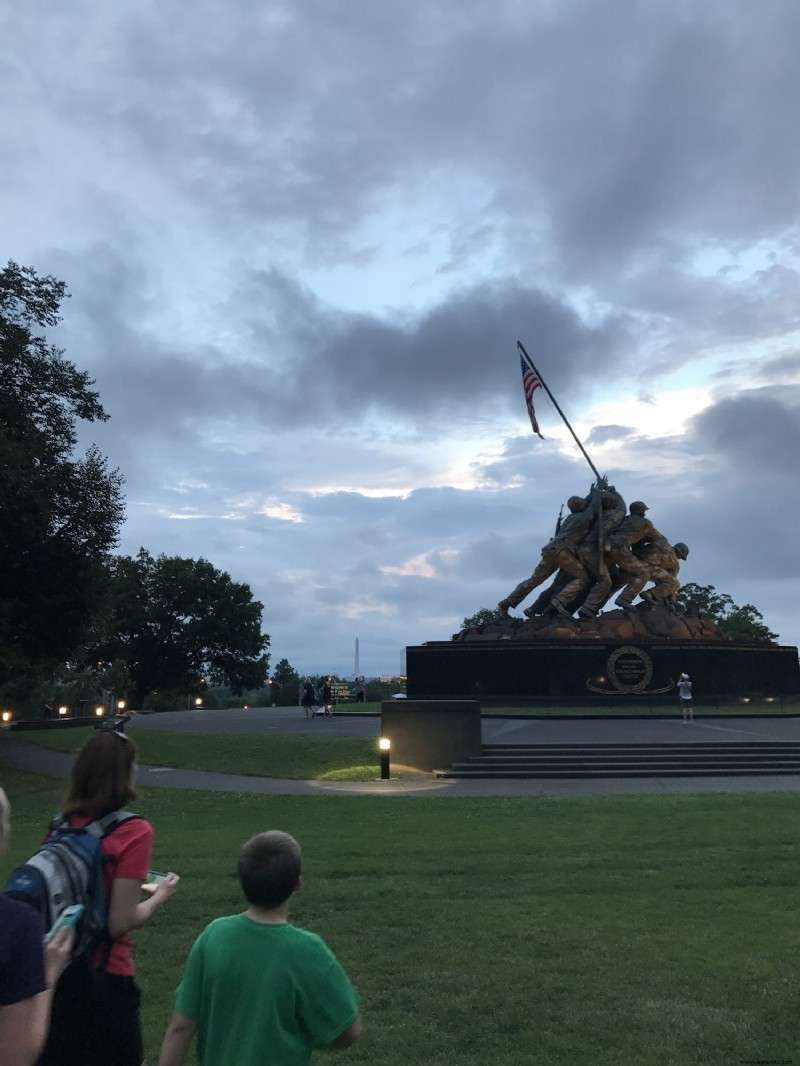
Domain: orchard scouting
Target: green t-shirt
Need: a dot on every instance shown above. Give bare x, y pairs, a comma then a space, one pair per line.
263, 995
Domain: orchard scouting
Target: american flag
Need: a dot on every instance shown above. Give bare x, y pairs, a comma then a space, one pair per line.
530, 383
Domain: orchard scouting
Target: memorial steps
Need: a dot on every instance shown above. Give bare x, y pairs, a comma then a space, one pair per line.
686, 759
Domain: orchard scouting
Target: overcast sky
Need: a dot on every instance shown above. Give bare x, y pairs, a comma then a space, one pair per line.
302, 239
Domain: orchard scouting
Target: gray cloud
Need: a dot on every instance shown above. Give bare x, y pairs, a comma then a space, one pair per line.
303, 242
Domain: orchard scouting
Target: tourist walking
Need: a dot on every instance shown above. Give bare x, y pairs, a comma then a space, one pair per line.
326, 699
309, 699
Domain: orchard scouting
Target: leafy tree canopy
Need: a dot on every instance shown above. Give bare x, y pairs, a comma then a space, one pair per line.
740, 623
59, 514
377, 691
287, 680
181, 623
481, 617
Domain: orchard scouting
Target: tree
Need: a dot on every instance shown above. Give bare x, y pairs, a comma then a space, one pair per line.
181, 624
740, 623
288, 681
481, 618
59, 515
377, 690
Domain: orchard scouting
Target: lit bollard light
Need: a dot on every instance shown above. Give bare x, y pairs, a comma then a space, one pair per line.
385, 746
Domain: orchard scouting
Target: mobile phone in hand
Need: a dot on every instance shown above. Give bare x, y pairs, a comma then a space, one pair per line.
66, 920
153, 878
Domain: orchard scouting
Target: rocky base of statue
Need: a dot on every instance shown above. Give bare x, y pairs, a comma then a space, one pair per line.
643, 622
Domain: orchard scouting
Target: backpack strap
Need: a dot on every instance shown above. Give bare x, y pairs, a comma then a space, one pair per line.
101, 827
58, 823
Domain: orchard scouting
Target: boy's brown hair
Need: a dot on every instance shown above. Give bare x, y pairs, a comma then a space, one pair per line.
101, 780
269, 868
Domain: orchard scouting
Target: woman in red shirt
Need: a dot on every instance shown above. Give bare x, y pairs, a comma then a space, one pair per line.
96, 1007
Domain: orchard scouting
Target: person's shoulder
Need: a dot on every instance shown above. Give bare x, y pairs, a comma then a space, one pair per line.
307, 944
132, 828
224, 926
19, 922
133, 832
14, 912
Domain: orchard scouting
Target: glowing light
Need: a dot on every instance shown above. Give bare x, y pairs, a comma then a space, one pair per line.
99, 712
6, 716
384, 743
62, 710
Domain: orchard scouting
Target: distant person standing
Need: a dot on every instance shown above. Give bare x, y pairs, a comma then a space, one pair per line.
359, 690
685, 693
327, 696
309, 699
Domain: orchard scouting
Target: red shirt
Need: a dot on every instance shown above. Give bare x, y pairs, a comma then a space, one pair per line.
127, 852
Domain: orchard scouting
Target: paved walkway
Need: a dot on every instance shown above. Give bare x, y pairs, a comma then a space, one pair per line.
15, 751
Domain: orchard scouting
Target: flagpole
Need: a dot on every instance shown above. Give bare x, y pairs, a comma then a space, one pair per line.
600, 545
553, 399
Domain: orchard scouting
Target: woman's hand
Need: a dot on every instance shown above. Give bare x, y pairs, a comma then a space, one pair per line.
163, 889
56, 955
128, 911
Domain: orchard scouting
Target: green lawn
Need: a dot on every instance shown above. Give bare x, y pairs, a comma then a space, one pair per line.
642, 931
305, 758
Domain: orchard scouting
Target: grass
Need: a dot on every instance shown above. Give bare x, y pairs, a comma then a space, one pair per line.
655, 931
300, 757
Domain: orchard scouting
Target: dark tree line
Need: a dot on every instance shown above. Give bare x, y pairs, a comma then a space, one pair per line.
64, 598
739, 623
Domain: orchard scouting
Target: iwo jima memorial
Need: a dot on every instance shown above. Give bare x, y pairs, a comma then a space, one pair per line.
569, 647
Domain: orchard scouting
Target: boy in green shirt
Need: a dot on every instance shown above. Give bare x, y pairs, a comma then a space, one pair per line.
256, 989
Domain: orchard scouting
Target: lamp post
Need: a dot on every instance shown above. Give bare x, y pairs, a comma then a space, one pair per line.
385, 745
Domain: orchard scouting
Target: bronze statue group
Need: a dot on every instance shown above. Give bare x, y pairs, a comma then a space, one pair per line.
602, 548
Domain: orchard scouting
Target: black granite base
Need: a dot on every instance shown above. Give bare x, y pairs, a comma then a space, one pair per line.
433, 733
509, 672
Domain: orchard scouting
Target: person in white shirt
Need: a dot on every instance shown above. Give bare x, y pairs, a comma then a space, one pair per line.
685, 693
